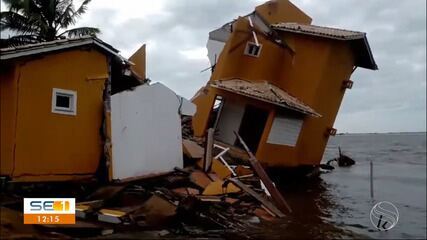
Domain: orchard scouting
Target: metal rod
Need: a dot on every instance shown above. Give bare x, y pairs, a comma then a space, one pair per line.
372, 178
253, 32
219, 156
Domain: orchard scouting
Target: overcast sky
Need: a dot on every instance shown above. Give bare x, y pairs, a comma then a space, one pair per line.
176, 31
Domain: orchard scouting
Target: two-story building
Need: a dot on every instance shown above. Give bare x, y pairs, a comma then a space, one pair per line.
279, 82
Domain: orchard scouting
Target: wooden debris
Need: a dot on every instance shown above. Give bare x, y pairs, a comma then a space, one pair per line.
275, 194
213, 176
218, 188
209, 198
231, 200
261, 213
85, 208
192, 149
186, 191
200, 179
243, 171
156, 210
82, 211
220, 169
111, 215
117, 214
200, 163
209, 147
258, 197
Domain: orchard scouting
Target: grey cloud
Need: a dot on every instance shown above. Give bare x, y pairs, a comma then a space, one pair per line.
391, 99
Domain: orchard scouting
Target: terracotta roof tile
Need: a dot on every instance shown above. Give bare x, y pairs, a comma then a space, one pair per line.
265, 91
327, 32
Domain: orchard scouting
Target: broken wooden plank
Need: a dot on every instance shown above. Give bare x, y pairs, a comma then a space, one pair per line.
261, 213
214, 176
242, 170
209, 147
275, 194
117, 214
186, 191
231, 200
220, 169
192, 149
258, 197
200, 179
111, 215
209, 198
218, 188
156, 210
82, 211
85, 208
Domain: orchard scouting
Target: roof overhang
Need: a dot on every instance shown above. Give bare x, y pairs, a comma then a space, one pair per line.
266, 92
58, 45
358, 40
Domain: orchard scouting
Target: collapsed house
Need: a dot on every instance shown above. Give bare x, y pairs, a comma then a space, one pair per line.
74, 108
278, 81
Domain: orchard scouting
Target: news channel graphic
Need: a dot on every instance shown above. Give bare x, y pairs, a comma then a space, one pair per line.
384, 216
49, 211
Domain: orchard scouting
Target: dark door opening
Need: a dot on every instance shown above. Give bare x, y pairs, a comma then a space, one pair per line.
252, 127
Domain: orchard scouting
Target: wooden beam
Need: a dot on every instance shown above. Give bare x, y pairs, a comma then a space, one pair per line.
258, 197
275, 194
209, 147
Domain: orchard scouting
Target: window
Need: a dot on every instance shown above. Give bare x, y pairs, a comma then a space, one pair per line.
64, 101
252, 49
286, 129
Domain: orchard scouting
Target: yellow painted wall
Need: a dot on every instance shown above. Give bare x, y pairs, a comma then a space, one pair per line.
8, 103
238, 65
138, 58
204, 102
329, 95
50, 144
282, 11
314, 75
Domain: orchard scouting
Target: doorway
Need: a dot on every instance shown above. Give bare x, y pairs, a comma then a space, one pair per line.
252, 127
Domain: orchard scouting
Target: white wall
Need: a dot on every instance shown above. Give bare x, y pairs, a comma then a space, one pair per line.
146, 131
214, 50
229, 121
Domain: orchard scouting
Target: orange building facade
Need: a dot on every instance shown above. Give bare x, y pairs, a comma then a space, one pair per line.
278, 81
53, 109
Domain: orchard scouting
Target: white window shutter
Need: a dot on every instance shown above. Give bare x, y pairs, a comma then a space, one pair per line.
285, 130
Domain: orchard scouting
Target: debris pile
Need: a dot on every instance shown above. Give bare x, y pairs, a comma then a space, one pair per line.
227, 197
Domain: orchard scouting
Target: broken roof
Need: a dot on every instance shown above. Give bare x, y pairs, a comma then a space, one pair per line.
57, 45
266, 92
364, 57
